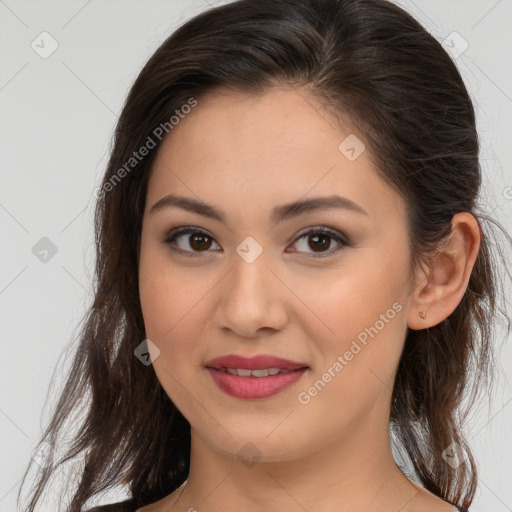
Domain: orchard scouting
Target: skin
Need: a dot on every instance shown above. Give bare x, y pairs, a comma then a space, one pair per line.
244, 155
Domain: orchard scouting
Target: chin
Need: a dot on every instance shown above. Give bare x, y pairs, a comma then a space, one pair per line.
250, 447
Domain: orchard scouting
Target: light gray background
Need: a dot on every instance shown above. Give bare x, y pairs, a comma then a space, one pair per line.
57, 116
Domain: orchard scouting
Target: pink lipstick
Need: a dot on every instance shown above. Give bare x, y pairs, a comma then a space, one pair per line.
256, 377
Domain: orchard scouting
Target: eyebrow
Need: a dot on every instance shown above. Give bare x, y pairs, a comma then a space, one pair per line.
279, 213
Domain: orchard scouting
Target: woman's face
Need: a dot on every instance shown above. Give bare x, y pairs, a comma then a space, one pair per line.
325, 287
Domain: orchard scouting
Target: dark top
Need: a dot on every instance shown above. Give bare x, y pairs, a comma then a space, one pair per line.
122, 506
127, 506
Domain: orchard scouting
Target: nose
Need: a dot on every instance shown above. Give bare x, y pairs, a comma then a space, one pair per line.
252, 299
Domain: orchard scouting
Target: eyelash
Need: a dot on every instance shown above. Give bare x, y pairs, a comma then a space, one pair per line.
335, 235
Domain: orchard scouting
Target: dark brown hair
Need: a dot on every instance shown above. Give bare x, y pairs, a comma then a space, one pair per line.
366, 61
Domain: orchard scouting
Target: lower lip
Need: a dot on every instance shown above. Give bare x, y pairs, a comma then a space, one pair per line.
254, 387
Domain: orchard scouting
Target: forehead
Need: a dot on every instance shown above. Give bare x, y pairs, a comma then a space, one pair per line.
268, 149
283, 121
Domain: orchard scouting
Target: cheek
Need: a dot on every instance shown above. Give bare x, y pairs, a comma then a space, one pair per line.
173, 318
344, 302
174, 306
360, 316
171, 311
361, 346
167, 295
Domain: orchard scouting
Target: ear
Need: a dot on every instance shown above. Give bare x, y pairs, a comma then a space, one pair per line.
441, 287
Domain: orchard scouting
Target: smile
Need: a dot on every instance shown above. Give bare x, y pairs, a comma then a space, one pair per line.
254, 384
244, 372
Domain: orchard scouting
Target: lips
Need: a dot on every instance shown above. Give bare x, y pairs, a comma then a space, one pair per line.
258, 377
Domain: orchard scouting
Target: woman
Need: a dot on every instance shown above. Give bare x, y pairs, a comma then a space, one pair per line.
291, 266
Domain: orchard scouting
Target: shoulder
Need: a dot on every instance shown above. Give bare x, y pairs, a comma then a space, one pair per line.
122, 506
425, 500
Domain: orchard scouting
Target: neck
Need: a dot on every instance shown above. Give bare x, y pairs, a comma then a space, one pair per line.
354, 471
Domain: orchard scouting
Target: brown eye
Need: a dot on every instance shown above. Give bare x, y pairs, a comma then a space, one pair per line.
189, 241
319, 241
200, 241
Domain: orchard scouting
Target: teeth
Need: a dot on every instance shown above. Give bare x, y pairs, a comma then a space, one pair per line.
244, 372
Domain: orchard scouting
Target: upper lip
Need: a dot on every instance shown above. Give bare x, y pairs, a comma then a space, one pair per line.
258, 362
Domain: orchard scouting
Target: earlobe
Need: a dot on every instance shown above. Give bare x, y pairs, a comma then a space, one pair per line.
445, 282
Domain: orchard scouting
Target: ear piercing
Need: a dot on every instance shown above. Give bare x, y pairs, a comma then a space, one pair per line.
423, 314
